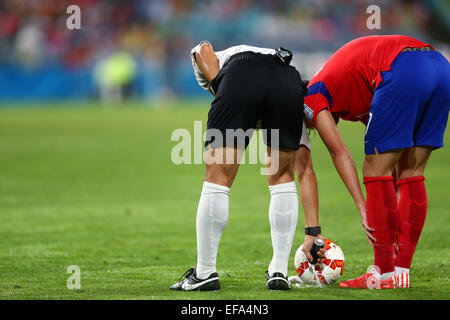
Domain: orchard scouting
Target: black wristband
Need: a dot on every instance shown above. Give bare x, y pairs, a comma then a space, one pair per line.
312, 231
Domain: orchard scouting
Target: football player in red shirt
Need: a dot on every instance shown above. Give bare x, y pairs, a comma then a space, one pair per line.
399, 87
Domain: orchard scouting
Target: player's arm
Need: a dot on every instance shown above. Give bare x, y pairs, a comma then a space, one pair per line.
207, 61
309, 196
343, 161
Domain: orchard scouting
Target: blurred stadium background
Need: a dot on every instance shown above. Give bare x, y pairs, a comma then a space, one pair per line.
142, 46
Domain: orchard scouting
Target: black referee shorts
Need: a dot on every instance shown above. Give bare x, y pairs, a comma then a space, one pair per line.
251, 87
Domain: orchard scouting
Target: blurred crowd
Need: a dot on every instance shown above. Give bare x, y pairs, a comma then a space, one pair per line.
161, 32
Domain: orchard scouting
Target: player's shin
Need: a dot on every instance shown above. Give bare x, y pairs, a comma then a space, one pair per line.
382, 215
412, 211
283, 215
212, 217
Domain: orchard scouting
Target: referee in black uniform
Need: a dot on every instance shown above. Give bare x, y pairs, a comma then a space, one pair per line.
252, 86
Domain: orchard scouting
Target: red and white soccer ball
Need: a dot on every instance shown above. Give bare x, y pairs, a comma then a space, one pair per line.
327, 272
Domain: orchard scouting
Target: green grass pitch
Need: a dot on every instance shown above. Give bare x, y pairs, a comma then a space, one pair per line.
95, 187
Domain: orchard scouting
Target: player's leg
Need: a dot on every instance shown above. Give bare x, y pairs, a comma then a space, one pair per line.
222, 164
382, 208
429, 132
382, 215
282, 114
212, 217
412, 208
283, 215
231, 111
213, 208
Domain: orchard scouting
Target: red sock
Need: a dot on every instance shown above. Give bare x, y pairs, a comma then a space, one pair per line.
413, 211
382, 215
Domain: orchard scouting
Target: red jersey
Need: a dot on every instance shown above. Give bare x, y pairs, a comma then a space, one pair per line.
345, 84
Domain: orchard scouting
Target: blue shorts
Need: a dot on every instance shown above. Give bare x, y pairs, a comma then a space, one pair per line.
410, 106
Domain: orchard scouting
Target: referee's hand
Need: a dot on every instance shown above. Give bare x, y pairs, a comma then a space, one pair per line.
307, 246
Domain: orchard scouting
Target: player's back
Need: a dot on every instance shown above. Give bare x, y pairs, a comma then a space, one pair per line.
350, 76
368, 56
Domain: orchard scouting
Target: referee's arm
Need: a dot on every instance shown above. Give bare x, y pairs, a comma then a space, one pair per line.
207, 61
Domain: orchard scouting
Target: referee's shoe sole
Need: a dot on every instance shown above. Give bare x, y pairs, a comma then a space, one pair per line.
277, 282
192, 283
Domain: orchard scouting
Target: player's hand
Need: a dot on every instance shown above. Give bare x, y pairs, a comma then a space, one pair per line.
307, 246
367, 229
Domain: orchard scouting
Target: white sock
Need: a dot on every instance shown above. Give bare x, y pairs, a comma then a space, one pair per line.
399, 270
283, 214
384, 276
212, 217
